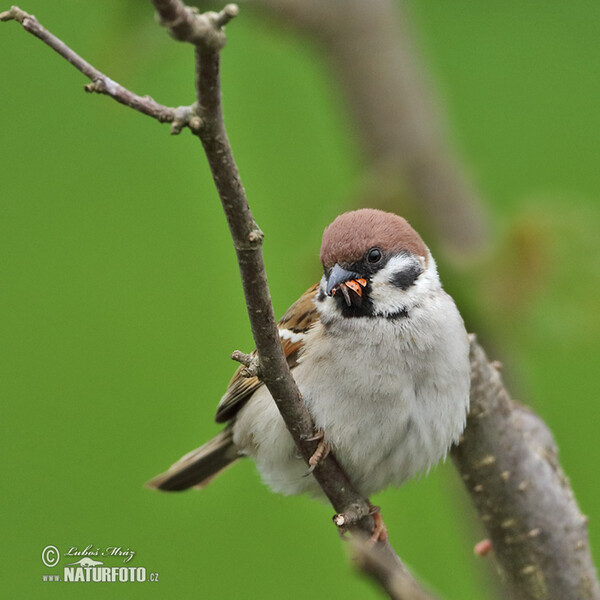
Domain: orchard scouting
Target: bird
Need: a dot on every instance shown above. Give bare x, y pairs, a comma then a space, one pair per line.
380, 354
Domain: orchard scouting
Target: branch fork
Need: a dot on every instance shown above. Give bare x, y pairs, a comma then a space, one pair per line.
186, 24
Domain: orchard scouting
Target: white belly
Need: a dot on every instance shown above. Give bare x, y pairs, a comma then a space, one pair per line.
389, 407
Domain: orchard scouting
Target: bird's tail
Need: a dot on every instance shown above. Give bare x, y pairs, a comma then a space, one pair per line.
198, 467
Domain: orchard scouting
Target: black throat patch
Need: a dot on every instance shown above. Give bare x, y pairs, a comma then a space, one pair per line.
351, 305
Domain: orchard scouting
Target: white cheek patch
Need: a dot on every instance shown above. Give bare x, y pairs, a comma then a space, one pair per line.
388, 298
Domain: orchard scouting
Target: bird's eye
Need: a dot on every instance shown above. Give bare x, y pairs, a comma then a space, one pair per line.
374, 255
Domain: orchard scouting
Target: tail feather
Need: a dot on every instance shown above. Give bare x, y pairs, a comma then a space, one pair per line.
198, 467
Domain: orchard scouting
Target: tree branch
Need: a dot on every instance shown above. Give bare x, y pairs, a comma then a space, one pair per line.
394, 579
508, 461
182, 116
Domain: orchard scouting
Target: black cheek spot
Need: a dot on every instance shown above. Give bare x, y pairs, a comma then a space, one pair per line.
407, 277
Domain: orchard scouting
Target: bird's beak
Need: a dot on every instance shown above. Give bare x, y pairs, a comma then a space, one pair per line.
348, 279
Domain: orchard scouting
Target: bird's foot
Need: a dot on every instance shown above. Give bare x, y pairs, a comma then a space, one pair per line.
380, 533
319, 454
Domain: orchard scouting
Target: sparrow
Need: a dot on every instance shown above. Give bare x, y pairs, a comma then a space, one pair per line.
380, 355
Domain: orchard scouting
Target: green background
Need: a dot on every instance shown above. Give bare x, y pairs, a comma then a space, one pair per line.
120, 297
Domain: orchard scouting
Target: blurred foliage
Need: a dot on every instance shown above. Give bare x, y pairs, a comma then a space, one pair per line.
121, 300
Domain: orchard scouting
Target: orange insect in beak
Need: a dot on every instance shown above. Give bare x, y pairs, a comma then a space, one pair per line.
354, 286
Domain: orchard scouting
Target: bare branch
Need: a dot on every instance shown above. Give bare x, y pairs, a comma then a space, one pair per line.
508, 461
102, 84
394, 579
250, 361
187, 25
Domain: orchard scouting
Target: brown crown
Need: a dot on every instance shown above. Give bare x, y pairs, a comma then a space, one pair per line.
348, 238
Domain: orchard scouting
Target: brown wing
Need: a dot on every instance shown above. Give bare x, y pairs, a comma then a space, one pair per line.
298, 319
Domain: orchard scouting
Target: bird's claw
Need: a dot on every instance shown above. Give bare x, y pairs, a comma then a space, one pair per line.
319, 435
319, 454
309, 471
380, 533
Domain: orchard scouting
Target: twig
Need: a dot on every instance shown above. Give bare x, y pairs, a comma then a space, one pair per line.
186, 25
250, 361
180, 117
508, 460
395, 580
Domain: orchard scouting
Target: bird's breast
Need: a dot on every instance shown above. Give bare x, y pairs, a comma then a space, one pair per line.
388, 407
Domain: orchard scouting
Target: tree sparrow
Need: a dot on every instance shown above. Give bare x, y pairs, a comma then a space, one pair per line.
380, 355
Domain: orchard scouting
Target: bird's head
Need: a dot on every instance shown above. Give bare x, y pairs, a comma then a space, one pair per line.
374, 264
